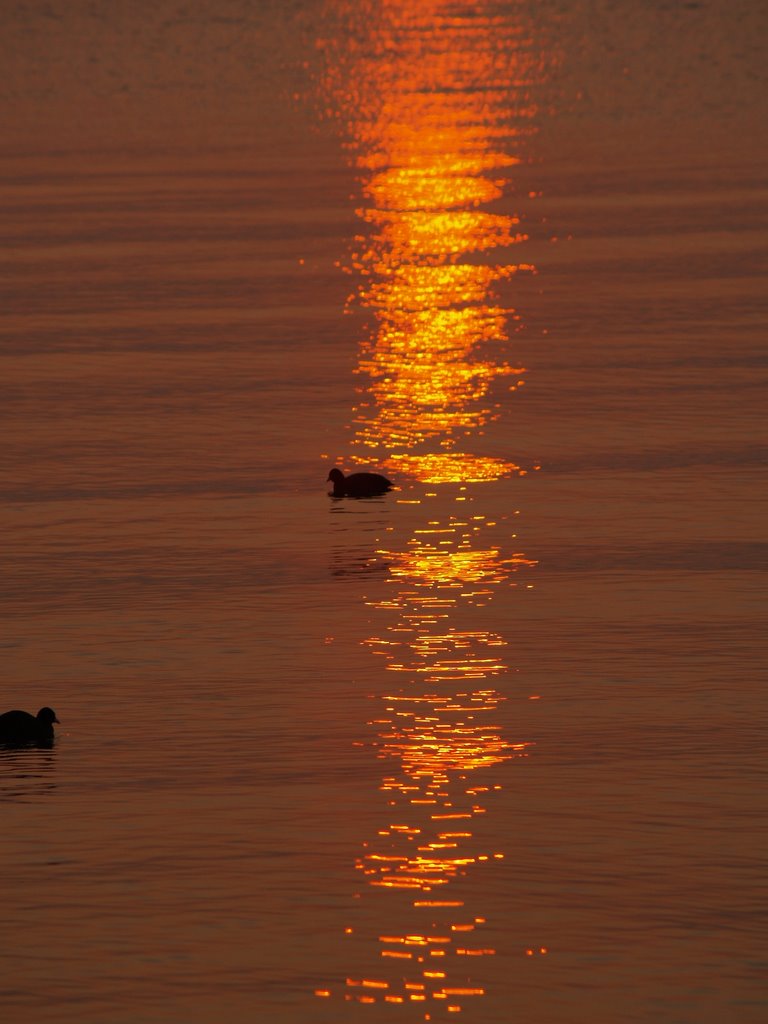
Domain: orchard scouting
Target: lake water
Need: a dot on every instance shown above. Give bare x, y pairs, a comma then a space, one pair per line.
489, 747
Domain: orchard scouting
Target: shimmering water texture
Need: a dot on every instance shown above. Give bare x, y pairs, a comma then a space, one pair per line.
434, 103
438, 104
488, 746
441, 746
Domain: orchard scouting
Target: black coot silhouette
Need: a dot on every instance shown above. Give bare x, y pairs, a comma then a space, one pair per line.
358, 485
21, 727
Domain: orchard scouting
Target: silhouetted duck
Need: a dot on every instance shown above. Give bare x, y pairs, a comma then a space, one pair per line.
21, 727
358, 485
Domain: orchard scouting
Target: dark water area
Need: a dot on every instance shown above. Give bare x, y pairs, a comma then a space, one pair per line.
491, 745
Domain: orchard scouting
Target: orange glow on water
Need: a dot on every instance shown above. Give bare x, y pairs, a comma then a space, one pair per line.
434, 146
424, 93
436, 729
450, 467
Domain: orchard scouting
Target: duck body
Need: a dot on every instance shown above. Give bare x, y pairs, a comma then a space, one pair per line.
19, 727
358, 485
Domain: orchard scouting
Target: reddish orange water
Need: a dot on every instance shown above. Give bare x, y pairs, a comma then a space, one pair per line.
491, 745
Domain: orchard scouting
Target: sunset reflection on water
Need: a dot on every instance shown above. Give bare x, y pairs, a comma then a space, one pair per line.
433, 100
430, 130
441, 744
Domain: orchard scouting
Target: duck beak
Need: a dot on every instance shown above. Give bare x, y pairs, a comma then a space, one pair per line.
56, 720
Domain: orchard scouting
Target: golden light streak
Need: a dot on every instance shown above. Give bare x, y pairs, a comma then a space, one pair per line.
425, 92
434, 145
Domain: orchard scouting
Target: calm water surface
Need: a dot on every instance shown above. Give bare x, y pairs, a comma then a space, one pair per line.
491, 746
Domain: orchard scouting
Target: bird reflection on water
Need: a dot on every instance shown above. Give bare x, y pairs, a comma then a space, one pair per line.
26, 753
